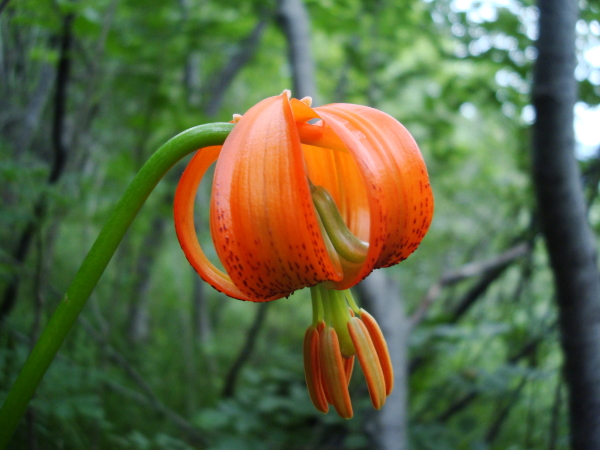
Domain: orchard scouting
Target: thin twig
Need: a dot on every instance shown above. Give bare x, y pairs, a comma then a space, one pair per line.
246, 351
499, 262
3, 5
494, 430
468, 398
194, 434
147, 399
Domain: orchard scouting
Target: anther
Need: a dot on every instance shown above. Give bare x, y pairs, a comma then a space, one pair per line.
307, 101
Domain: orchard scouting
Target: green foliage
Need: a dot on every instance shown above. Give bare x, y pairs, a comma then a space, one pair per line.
458, 79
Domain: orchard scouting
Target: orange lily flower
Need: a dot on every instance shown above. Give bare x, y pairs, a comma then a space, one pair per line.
312, 197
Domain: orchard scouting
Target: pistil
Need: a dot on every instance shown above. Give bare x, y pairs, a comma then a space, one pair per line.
346, 244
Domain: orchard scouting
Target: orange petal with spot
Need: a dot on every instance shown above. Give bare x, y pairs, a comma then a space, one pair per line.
334, 375
312, 370
263, 221
185, 197
348, 367
394, 176
369, 361
381, 348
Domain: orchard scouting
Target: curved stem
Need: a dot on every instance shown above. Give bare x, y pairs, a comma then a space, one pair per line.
94, 264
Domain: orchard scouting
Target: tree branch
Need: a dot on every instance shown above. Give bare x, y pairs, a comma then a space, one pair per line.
232, 376
195, 435
148, 398
494, 430
490, 268
468, 398
3, 5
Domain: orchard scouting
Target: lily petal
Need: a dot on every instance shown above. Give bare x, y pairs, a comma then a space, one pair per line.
395, 178
369, 361
185, 197
263, 222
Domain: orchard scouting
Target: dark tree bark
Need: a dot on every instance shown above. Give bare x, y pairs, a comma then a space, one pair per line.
31, 119
381, 297
244, 355
562, 216
3, 5
59, 150
294, 21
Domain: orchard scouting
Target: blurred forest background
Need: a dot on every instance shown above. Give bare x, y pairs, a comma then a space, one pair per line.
159, 360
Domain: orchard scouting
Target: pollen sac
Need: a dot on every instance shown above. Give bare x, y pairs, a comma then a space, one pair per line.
334, 373
369, 361
381, 349
312, 369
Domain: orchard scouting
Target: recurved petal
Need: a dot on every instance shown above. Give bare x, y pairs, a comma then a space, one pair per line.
381, 348
185, 197
263, 221
395, 178
369, 361
312, 370
334, 375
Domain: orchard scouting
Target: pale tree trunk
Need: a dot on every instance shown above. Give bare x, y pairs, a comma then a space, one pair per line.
381, 297
223, 79
294, 21
562, 215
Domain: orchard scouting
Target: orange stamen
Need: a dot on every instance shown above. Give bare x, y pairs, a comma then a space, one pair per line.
312, 370
334, 375
381, 348
369, 361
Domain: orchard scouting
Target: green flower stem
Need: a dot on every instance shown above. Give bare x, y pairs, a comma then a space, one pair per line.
337, 316
317, 306
93, 266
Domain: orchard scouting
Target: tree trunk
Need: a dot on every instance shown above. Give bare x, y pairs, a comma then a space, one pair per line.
223, 79
60, 155
562, 214
381, 297
295, 23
